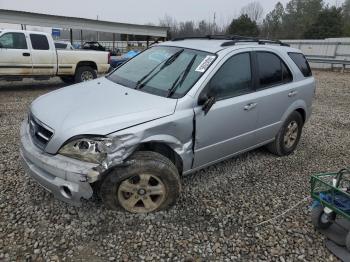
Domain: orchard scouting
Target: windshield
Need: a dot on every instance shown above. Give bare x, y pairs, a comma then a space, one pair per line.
164, 71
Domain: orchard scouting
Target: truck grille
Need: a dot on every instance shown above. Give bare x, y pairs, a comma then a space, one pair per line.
40, 134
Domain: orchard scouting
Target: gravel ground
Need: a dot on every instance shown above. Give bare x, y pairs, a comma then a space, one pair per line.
215, 217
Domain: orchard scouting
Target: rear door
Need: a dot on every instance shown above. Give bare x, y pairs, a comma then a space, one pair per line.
43, 55
15, 56
276, 92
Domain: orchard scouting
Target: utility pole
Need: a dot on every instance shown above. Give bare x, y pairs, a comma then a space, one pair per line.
214, 23
81, 38
98, 33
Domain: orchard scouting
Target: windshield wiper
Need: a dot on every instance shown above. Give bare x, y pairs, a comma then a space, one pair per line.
179, 82
147, 75
141, 83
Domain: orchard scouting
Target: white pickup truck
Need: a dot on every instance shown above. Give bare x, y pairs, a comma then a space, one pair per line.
33, 54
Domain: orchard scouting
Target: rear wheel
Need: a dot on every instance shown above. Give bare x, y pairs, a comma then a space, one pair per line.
150, 183
288, 137
85, 73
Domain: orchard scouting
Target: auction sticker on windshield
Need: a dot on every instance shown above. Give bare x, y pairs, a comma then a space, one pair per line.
205, 63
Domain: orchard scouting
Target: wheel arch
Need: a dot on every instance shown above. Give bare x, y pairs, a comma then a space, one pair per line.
86, 63
302, 112
298, 106
163, 149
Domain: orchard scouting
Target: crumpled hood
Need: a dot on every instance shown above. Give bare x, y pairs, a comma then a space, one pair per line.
97, 107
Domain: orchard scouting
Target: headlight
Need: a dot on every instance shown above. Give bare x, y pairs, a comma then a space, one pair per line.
92, 150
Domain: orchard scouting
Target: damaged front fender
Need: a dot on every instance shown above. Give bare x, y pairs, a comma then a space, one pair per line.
176, 133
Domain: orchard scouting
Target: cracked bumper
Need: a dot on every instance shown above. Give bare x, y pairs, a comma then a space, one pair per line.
66, 178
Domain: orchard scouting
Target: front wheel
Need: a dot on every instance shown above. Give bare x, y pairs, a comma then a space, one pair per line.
320, 219
288, 137
347, 242
150, 183
85, 73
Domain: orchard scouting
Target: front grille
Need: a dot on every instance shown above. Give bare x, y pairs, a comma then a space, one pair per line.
40, 134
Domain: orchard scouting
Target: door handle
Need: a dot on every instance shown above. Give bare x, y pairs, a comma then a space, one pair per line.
26, 54
293, 93
250, 106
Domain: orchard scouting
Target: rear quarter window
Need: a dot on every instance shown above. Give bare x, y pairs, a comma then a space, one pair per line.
60, 46
300, 60
39, 42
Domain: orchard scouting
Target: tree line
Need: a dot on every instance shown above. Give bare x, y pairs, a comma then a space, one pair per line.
298, 19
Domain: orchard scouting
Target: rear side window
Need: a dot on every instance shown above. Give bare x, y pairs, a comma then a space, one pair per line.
272, 70
13, 41
39, 42
301, 62
60, 46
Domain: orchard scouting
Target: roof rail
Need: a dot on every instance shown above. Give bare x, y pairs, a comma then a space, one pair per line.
233, 39
209, 37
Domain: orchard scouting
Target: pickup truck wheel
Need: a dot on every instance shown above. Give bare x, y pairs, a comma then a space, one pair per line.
68, 79
85, 73
150, 183
288, 137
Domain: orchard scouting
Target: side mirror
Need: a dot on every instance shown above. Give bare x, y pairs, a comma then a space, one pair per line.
206, 102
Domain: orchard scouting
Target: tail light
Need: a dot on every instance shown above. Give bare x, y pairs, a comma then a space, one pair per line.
109, 57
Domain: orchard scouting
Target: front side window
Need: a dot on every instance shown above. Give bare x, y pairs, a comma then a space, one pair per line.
164, 71
39, 42
13, 41
272, 70
234, 78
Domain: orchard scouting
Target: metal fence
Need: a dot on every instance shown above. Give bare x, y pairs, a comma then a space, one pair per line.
325, 54
330, 62
322, 54
121, 46
125, 46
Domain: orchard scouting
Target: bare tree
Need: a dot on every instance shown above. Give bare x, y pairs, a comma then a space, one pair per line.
254, 10
187, 28
170, 23
167, 21
203, 28
190, 28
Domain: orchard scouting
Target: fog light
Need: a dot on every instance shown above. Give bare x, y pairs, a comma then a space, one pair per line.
65, 191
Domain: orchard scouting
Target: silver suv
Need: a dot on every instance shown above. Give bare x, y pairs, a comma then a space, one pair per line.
173, 109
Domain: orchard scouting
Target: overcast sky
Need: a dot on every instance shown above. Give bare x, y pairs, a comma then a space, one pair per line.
140, 11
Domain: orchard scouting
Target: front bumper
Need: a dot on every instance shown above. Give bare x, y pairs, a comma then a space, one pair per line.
66, 178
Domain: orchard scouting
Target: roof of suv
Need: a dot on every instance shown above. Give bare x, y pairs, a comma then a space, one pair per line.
216, 45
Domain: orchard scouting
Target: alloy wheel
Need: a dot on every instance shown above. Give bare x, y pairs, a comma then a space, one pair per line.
87, 76
143, 193
291, 134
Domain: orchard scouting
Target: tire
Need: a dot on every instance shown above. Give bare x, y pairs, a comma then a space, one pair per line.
84, 73
347, 241
279, 147
317, 217
68, 79
125, 187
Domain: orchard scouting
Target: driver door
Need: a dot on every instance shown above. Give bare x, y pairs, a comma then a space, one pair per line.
15, 56
229, 126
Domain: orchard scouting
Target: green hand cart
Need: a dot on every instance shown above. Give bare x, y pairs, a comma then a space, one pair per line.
331, 194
